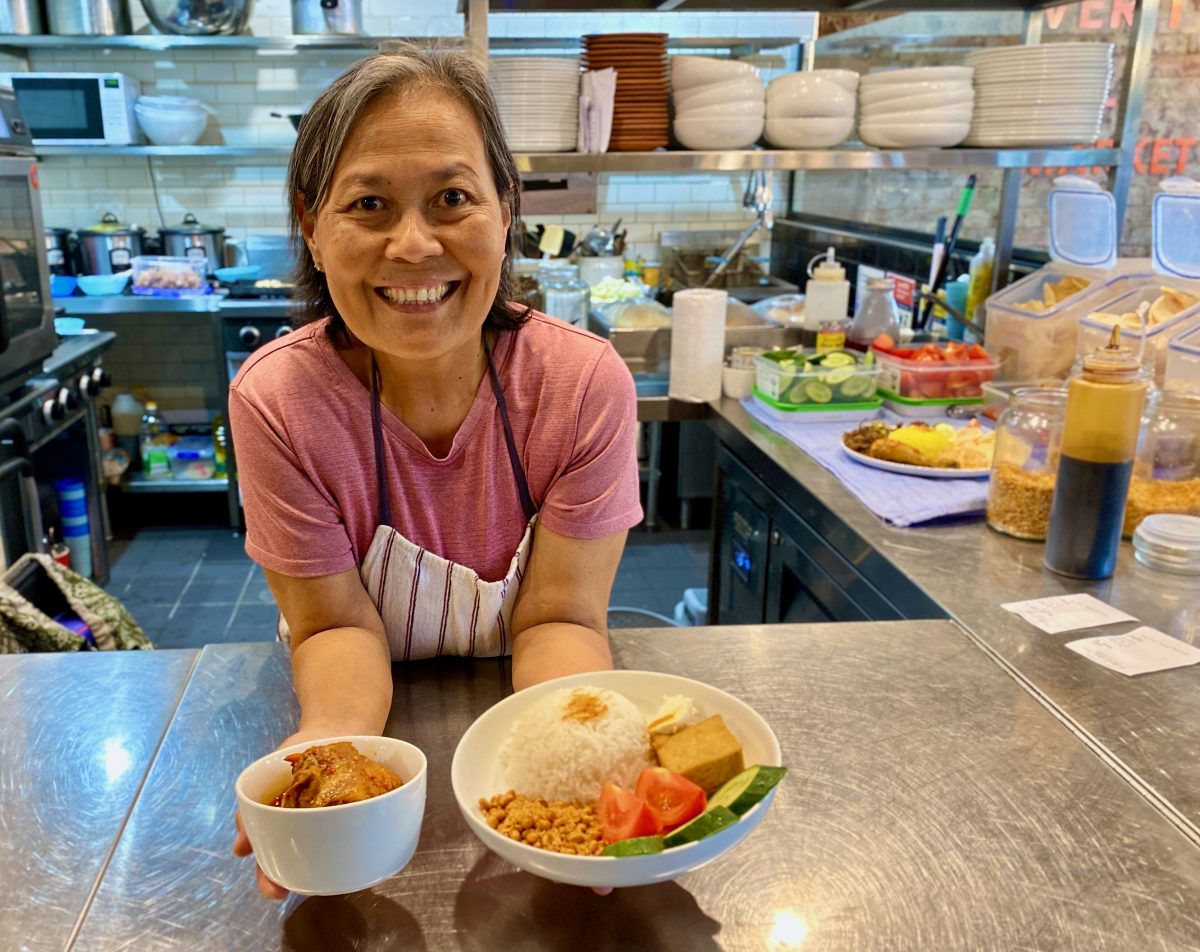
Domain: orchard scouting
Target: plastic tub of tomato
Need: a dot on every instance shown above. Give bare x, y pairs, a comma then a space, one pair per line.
932, 375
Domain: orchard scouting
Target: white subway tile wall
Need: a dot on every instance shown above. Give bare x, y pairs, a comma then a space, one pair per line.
243, 88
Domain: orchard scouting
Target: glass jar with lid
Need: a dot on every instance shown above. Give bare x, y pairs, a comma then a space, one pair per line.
567, 298
1025, 464
876, 315
1166, 472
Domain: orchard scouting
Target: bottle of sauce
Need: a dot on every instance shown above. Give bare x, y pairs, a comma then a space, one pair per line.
1099, 444
826, 296
876, 315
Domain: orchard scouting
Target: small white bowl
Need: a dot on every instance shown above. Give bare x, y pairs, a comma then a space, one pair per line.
330, 851
726, 110
814, 132
961, 113
916, 135
734, 90
728, 133
167, 127
803, 94
902, 91
738, 382
961, 96
688, 72
920, 74
476, 773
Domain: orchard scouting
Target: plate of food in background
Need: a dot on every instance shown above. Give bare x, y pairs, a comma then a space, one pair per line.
937, 451
616, 778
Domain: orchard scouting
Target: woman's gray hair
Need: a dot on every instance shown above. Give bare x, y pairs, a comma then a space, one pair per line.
322, 135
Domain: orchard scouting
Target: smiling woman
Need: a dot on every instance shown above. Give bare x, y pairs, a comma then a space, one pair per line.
426, 468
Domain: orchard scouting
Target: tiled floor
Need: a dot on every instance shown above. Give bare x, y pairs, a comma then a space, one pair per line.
192, 587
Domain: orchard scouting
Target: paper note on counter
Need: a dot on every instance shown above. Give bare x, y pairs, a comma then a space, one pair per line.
1061, 613
1137, 652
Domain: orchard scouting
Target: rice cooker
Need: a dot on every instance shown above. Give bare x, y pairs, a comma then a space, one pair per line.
194, 240
58, 251
110, 246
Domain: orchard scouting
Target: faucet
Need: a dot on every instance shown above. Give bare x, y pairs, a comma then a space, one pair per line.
758, 197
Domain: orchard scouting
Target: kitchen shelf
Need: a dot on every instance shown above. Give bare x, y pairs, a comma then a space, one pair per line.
782, 160
139, 485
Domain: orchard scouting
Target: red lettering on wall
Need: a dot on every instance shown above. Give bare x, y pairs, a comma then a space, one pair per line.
1122, 13
1159, 155
1185, 147
1139, 156
1091, 15
1113, 14
1176, 15
1055, 15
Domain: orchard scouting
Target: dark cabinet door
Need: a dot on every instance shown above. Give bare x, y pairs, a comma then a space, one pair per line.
743, 553
798, 590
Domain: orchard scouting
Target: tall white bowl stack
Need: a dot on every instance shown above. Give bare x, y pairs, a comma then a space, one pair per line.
719, 104
811, 110
922, 108
1040, 95
538, 98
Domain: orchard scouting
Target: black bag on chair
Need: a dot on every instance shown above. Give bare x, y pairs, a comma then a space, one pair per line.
36, 592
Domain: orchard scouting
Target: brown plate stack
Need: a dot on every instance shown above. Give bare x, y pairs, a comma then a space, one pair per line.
640, 120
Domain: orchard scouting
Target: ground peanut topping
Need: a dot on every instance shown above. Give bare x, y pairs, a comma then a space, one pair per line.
554, 825
583, 707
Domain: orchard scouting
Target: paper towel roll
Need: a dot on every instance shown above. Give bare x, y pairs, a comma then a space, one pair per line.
697, 344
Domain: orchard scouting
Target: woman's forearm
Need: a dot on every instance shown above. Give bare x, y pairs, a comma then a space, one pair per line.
343, 679
557, 649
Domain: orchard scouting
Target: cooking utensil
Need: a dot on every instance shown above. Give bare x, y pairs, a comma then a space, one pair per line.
294, 117
190, 239
110, 246
23, 17
89, 17
59, 254
199, 17
964, 205
326, 16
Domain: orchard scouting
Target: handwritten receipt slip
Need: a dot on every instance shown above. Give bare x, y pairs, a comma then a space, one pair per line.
1140, 651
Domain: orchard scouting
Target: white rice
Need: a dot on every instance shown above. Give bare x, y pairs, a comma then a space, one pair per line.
553, 755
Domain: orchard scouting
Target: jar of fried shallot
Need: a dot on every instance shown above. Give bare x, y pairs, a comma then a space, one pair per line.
1025, 463
1166, 473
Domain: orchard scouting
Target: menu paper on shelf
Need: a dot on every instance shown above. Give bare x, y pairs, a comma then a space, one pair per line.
697, 344
1061, 613
598, 90
1140, 651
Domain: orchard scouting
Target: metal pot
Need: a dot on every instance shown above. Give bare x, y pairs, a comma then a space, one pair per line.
89, 17
23, 17
327, 16
59, 255
193, 240
199, 17
109, 246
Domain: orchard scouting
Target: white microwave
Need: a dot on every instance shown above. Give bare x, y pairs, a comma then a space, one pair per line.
77, 108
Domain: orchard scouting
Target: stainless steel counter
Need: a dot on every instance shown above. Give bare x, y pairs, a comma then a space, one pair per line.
933, 803
1149, 726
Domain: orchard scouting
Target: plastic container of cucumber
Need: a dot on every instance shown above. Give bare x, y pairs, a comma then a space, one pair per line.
808, 380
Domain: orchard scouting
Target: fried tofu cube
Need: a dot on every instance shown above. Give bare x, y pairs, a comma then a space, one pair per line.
706, 753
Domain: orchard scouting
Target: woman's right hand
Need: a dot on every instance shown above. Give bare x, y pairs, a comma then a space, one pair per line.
241, 842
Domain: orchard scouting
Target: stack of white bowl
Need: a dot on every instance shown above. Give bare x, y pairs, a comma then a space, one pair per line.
538, 98
171, 120
811, 110
926, 107
719, 103
1040, 95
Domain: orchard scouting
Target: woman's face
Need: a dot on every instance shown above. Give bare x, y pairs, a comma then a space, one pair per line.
411, 234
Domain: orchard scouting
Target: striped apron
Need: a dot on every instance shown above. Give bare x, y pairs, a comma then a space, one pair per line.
429, 605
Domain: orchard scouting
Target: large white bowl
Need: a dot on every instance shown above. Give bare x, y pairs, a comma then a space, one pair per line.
167, 127
729, 133
813, 132
727, 110
921, 74
688, 72
733, 90
329, 851
961, 113
802, 94
476, 773
916, 135
928, 94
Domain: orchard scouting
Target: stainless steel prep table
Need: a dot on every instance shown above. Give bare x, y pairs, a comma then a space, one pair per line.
1149, 726
77, 736
933, 803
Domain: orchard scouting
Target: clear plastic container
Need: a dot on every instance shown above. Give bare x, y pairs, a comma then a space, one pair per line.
1094, 333
797, 384
164, 276
787, 310
1025, 464
1166, 473
193, 457
935, 382
1183, 362
1169, 543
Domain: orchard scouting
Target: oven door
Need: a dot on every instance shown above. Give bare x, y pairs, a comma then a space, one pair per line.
26, 312
63, 110
20, 509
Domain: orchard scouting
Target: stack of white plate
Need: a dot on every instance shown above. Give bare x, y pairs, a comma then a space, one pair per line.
719, 104
926, 107
538, 97
1040, 95
811, 110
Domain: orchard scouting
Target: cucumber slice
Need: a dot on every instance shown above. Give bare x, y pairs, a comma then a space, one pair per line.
856, 385
638, 846
838, 358
818, 392
794, 391
839, 375
707, 823
742, 792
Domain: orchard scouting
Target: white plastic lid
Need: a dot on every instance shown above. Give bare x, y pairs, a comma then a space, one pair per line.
829, 269
1083, 223
1170, 542
1175, 228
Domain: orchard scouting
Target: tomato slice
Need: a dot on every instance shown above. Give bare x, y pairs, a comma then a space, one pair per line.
977, 353
672, 798
882, 342
624, 815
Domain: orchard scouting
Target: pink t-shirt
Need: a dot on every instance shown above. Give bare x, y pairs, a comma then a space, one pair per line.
301, 426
